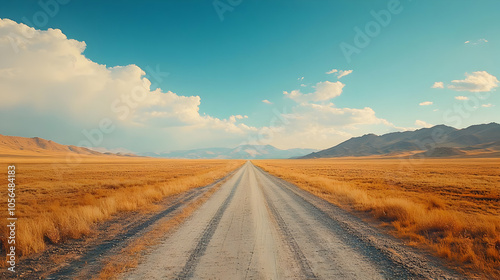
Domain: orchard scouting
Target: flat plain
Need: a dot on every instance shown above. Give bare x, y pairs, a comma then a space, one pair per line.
57, 201
448, 206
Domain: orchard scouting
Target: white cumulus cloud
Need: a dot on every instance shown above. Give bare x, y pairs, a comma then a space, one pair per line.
324, 125
461, 98
438, 85
47, 76
267, 101
315, 122
478, 81
324, 91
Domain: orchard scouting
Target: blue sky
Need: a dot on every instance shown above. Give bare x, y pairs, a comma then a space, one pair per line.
260, 49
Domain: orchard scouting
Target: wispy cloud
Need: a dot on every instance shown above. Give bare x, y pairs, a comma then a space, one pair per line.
426, 103
476, 42
300, 79
267, 101
339, 73
461, 98
487, 105
343, 73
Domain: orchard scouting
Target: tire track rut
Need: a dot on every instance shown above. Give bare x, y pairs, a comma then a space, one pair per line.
299, 257
199, 250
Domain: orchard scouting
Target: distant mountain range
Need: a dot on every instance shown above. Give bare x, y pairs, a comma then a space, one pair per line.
240, 152
23, 146
437, 141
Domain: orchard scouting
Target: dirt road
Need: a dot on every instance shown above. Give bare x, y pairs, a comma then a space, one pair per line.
257, 226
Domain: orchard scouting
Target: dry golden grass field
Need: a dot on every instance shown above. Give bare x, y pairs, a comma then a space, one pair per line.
450, 206
57, 201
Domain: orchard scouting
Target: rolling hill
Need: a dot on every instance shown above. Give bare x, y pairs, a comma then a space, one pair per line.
23, 146
437, 141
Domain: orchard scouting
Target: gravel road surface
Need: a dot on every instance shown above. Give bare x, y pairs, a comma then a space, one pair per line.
257, 226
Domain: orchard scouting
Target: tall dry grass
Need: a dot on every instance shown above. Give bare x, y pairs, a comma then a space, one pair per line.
56, 201
450, 206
